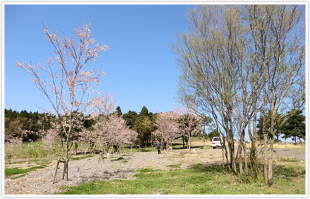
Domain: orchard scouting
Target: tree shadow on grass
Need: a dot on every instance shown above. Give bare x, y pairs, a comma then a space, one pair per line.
281, 170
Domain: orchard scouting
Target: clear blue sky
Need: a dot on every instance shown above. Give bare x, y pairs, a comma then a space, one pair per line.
140, 66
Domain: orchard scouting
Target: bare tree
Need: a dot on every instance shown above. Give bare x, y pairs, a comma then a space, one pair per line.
279, 37
210, 55
237, 63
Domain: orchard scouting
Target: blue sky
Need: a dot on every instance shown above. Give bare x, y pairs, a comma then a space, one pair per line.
140, 66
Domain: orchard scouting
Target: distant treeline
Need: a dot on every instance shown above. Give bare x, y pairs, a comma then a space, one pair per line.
17, 122
22, 124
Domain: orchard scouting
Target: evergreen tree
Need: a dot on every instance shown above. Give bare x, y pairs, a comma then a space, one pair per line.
295, 125
24, 114
144, 112
119, 111
130, 118
212, 134
277, 126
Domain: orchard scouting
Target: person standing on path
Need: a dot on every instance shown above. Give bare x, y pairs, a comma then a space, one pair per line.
158, 146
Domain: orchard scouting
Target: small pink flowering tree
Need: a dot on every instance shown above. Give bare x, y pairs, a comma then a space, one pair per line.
167, 127
130, 137
189, 124
119, 131
110, 129
102, 106
66, 82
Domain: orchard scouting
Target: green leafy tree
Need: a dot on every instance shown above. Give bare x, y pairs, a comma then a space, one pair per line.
278, 125
212, 134
119, 111
142, 126
11, 114
130, 118
144, 112
295, 125
24, 114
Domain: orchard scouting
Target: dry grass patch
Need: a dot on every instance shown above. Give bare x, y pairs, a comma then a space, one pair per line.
258, 144
24, 165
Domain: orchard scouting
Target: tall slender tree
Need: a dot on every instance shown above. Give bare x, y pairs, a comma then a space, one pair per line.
68, 84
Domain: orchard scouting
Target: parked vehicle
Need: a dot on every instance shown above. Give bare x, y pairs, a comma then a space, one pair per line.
217, 142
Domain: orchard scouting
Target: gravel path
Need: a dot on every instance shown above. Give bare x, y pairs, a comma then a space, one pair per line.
40, 182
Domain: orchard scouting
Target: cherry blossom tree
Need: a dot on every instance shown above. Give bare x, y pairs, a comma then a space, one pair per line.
190, 123
66, 81
102, 106
118, 131
167, 126
112, 130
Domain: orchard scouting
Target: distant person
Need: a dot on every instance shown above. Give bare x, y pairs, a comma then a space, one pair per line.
158, 146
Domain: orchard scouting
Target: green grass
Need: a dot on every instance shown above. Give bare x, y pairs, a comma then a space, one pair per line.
197, 180
16, 171
288, 160
42, 163
82, 157
174, 166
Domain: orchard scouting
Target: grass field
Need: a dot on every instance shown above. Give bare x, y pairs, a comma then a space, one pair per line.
289, 179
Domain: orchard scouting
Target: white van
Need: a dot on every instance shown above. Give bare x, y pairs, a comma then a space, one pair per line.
216, 142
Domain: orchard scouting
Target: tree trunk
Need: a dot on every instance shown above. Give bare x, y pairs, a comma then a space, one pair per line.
56, 170
66, 161
230, 140
223, 161
270, 169
102, 154
245, 158
253, 151
76, 146
62, 145
239, 154
265, 159
204, 140
226, 150
64, 170
189, 141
